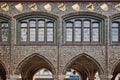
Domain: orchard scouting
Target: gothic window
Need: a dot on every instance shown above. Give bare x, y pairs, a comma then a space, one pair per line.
4, 30
82, 30
36, 30
115, 32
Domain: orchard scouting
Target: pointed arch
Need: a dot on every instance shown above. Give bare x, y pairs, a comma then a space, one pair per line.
81, 57
31, 64
116, 69
3, 71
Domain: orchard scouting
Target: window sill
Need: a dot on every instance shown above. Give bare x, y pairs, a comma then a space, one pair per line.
114, 44
83, 44
35, 44
4, 44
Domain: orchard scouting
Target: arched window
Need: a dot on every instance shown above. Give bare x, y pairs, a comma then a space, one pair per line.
83, 29
115, 32
36, 30
4, 30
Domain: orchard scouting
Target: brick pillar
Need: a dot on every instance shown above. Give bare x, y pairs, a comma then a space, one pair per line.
91, 78
103, 77
55, 77
83, 76
8, 77
61, 77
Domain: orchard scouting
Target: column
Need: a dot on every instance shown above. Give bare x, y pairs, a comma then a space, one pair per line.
55, 77
91, 78
103, 77
8, 77
61, 77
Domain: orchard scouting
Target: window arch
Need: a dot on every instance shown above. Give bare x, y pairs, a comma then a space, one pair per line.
83, 29
4, 30
38, 29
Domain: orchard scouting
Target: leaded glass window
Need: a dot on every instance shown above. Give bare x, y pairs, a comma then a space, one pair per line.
4, 31
83, 30
40, 30
115, 32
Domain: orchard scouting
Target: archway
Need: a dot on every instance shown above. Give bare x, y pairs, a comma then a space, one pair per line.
116, 72
86, 66
32, 64
2, 72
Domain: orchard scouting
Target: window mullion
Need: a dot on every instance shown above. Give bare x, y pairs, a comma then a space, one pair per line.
82, 31
19, 32
45, 32
53, 33
36, 31
73, 33
90, 34
0, 32
99, 33
28, 32
118, 32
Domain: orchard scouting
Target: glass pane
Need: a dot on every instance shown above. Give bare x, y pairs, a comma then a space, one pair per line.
49, 34
86, 35
5, 33
86, 23
41, 34
77, 23
23, 24
32, 23
32, 35
41, 24
4, 24
69, 34
69, 25
78, 34
95, 35
95, 25
49, 24
115, 24
23, 34
115, 34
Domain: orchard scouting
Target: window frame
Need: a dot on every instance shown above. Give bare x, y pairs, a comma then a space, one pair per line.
5, 20
118, 22
37, 42
101, 29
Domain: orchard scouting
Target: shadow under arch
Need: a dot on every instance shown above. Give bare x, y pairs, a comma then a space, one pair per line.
3, 71
84, 13
31, 64
89, 63
38, 13
115, 70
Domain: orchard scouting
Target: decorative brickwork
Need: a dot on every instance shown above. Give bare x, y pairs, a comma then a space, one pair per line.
59, 55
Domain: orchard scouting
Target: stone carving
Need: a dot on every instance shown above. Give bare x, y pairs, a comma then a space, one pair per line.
5, 7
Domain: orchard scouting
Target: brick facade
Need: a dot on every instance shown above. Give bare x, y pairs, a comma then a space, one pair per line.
60, 56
